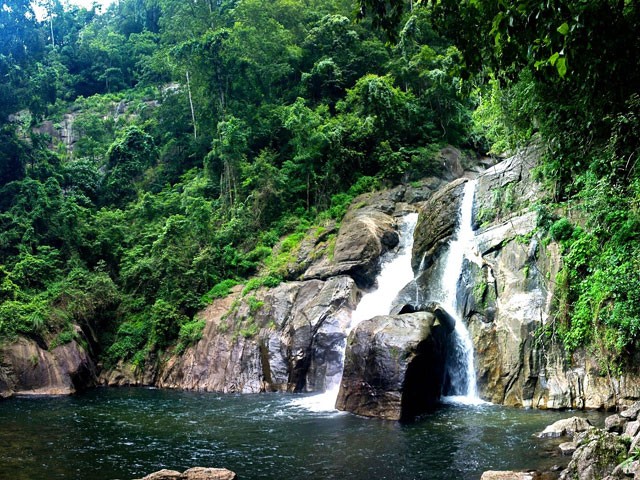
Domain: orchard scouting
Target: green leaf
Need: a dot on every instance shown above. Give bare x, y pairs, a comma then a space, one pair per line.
554, 58
561, 65
564, 28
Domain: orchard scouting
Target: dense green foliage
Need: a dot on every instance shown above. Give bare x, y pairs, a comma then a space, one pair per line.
208, 132
204, 133
567, 73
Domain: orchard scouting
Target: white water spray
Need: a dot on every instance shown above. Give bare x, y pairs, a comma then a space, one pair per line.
460, 363
395, 273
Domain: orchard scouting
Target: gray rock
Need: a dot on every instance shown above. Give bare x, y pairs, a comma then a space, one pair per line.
596, 457
164, 474
29, 369
365, 234
627, 469
285, 338
436, 224
195, 473
567, 448
566, 427
632, 428
506, 475
615, 423
202, 473
394, 366
631, 412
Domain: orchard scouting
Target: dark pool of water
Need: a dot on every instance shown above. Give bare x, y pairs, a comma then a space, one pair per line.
127, 433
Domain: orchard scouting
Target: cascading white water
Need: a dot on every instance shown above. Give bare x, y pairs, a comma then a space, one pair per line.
395, 273
460, 366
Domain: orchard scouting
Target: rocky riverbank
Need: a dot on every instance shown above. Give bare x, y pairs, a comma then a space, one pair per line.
608, 453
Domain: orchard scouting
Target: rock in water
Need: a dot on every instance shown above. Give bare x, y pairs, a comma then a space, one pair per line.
195, 473
394, 366
202, 473
506, 475
567, 426
164, 474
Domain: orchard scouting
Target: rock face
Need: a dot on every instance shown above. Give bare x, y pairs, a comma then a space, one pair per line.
29, 369
508, 296
394, 366
290, 338
281, 339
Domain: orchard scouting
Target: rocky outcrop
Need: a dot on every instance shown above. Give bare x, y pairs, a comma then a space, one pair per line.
195, 473
507, 294
368, 230
290, 338
436, 224
597, 454
280, 339
394, 366
29, 369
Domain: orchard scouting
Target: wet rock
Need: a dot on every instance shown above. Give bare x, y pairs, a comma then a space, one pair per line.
566, 427
596, 457
615, 423
436, 224
394, 366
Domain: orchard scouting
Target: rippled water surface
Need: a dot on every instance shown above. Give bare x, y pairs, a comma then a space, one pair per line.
127, 433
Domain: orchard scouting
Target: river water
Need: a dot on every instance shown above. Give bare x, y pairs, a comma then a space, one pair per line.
126, 433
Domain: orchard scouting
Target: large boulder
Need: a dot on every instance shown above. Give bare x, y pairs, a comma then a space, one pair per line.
394, 366
436, 224
31, 369
596, 457
566, 427
369, 229
365, 234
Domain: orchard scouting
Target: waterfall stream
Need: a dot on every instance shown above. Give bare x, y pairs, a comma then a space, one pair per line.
395, 273
460, 386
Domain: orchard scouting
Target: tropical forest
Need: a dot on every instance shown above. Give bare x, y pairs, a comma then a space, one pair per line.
225, 223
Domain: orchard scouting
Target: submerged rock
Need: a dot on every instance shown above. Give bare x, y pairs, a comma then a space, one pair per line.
394, 366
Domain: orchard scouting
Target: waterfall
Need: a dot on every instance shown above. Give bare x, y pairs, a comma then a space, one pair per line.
460, 368
395, 273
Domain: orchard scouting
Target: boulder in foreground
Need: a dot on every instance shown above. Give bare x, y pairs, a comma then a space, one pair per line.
195, 473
